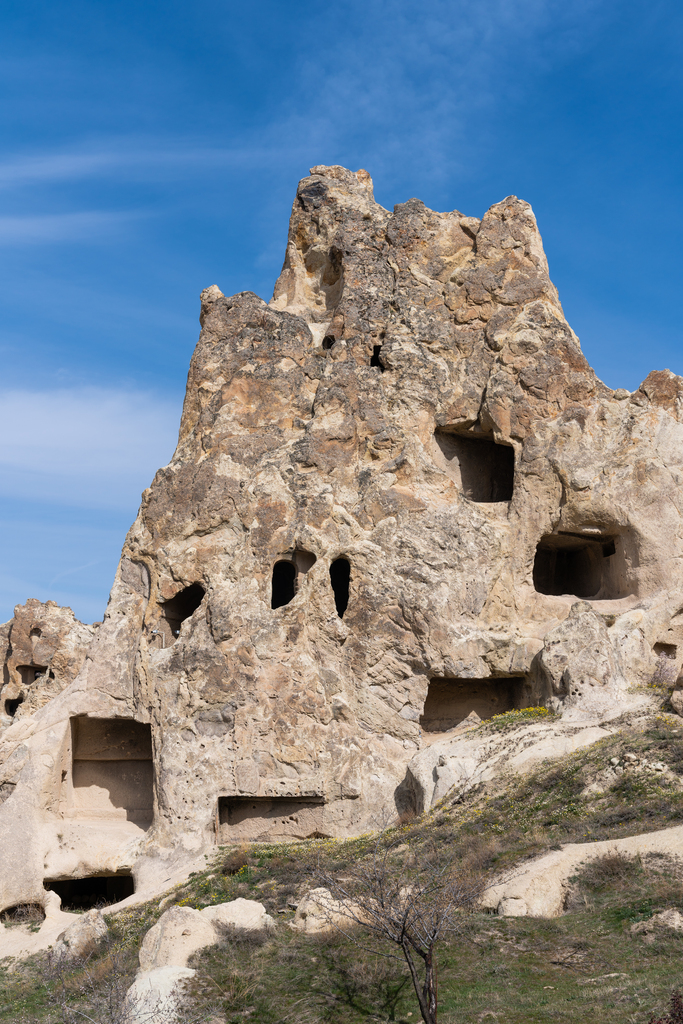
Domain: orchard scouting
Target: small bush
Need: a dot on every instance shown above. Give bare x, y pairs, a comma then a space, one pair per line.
675, 1015
234, 862
609, 871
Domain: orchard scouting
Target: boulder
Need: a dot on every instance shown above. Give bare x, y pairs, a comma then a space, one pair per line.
239, 918
155, 996
83, 936
319, 913
179, 932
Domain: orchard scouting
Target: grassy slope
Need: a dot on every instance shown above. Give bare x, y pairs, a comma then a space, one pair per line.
582, 966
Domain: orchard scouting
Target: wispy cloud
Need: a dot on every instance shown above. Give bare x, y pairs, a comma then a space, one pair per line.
82, 226
87, 447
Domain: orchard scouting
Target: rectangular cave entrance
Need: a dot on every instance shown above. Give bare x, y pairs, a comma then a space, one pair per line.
482, 469
450, 700
269, 818
581, 566
112, 770
79, 894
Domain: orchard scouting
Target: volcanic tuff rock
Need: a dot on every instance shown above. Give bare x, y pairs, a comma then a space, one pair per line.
400, 495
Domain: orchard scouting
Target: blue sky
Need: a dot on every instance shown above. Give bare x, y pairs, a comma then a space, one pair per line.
151, 149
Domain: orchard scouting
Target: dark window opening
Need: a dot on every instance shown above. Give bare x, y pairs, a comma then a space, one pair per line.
340, 577
451, 701
112, 770
482, 469
270, 817
29, 673
577, 565
286, 576
36, 631
182, 606
11, 706
374, 359
328, 341
23, 913
284, 584
666, 651
95, 891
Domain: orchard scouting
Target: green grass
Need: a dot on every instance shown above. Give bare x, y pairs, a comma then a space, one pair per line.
515, 970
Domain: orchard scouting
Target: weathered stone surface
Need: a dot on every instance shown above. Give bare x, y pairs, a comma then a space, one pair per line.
411, 430
43, 649
319, 913
181, 931
82, 938
155, 997
239, 918
541, 885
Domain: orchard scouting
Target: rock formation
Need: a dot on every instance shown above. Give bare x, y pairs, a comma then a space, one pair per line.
400, 495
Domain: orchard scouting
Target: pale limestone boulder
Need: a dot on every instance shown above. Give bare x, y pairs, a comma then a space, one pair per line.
676, 700
239, 917
319, 913
155, 997
179, 932
83, 936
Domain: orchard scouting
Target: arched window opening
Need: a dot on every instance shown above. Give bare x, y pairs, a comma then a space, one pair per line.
287, 574
340, 577
182, 606
284, 584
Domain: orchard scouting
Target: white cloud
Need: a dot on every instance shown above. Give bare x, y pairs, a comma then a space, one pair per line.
87, 447
61, 227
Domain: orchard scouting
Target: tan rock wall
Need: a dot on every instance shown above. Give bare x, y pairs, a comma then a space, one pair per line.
414, 402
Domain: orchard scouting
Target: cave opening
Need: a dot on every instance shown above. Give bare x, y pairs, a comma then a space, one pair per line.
284, 584
581, 566
328, 342
375, 358
23, 913
269, 818
449, 700
12, 706
112, 772
340, 578
29, 673
480, 467
78, 894
287, 573
181, 607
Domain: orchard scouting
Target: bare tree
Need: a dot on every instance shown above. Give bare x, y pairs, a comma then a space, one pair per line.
410, 899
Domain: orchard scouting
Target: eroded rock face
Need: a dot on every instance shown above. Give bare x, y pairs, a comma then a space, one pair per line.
398, 480
43, 649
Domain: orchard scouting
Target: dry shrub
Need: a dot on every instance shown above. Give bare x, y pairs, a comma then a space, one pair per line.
234, 862
23, 913
611, 870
